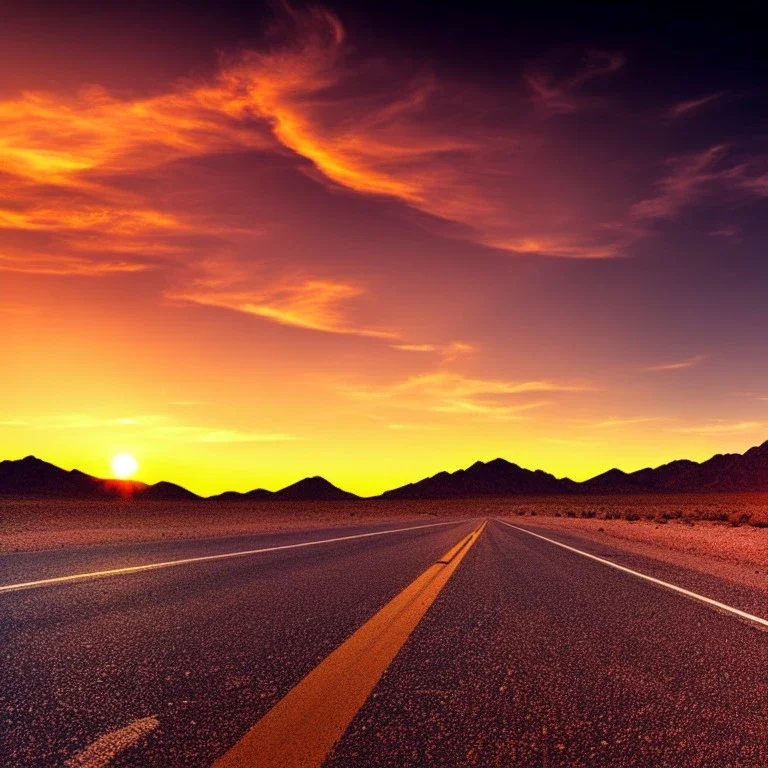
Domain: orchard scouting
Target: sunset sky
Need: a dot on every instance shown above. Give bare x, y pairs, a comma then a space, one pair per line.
375, 241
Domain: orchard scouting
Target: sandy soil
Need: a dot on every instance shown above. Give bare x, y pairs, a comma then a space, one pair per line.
738, 554
31, 524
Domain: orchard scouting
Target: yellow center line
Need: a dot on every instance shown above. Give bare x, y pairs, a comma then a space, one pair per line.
301, 729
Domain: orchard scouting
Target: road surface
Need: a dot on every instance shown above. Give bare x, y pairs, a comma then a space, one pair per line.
456, 644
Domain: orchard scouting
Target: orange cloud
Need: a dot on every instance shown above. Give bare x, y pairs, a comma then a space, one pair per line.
410, 138
723, 428
448, 352
454, 393
207, 435
458, 385
371, 128
51, 140
416, 347
312, 304
610, 423
678, 365
374, 128
395, 145
61, 265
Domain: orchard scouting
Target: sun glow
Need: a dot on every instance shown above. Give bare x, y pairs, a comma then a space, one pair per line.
124, 465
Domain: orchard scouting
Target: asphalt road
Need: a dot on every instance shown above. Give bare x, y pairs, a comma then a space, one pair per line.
530, 655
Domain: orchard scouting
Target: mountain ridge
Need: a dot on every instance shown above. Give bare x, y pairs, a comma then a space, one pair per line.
31, 476
723, 472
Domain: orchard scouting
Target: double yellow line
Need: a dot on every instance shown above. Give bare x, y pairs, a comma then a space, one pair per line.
301, 729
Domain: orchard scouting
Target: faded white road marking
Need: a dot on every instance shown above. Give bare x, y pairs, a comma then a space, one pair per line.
102, 751
687, 592
205, 558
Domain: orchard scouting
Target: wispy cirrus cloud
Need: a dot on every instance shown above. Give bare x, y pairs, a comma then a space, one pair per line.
727, 231
416, 347
448, 352
311, 95
386, 129
311, 304
677, 365
453, 393
687, 180
65, 265
456, 384
77, 420
694, 176
611, 423
555, 82
152, 425
684, 108
69, 142
200, 434
722, 427
416, 427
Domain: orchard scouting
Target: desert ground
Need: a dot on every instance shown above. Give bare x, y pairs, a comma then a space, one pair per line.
721, 534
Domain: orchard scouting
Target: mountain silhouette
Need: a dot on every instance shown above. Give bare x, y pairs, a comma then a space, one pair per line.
734, 472
309, 489
494, 478
164, 491
725, 472
31, 476
314, 489
612, 481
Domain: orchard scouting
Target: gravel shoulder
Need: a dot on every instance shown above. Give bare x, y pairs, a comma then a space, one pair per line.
736, 554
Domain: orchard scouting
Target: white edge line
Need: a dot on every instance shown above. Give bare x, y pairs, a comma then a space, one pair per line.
681, 590
204, 558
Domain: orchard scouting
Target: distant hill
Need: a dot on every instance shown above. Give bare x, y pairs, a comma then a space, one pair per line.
308, 489
724, 472
31, 476
164, 491
494, 478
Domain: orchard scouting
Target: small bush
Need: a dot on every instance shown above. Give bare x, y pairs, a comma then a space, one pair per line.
739, 518
631, 517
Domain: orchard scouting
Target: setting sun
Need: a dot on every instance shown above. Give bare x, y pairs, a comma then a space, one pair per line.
124, 465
